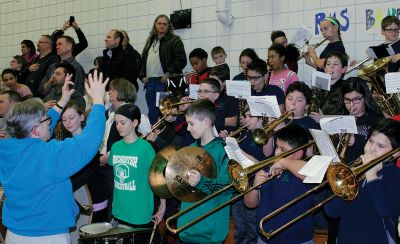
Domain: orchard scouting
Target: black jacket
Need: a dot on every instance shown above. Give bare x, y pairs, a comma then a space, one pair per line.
172, 55
122, 64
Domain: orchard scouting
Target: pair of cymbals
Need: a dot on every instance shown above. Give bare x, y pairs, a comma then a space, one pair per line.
170, 170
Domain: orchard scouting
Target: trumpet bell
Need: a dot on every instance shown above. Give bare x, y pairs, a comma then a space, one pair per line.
343, 181
259, 136
157, 180
238, 176
177, 172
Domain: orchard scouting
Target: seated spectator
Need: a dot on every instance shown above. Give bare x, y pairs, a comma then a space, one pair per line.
9, 77
28, 51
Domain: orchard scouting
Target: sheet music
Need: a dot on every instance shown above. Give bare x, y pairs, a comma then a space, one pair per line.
144, 126
339, 124
238, 88
321, 80
324, 144
392, 82
315, 168
193, 88
160, 96
264, 106
302, 36
234, 152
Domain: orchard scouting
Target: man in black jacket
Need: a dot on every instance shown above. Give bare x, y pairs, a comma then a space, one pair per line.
36, 71
163, 55
78, 47
118, 63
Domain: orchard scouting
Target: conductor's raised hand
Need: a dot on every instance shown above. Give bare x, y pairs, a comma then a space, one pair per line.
95, 87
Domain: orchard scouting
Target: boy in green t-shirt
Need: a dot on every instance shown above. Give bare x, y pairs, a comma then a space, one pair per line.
200, 117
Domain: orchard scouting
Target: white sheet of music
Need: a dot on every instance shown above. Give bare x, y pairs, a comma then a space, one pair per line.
321, 80
339, 124
392, 82
315, 168
238, 88
193, 88
160, 96
234, 152
301, 36
324, 144
264, 106
144, 126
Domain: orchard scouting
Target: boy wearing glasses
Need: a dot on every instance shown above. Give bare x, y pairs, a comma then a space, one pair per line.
390, 27
257, 74
226, 115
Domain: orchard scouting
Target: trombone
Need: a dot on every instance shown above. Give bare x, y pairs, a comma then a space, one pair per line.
239, 180
357, 65
343, 182
237, 134
166, 106
156, 126
261, 136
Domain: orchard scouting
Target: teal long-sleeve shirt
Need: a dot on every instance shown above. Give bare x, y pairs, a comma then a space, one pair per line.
215, 227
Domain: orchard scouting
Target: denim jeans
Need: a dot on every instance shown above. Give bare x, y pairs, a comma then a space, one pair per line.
153, 86
245, 226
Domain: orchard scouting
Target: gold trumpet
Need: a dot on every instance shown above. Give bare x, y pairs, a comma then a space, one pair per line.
261, 136
239, 180
302, 54
343, 182
166, 106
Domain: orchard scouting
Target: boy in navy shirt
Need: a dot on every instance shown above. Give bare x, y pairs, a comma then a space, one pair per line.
283, 189
257, 74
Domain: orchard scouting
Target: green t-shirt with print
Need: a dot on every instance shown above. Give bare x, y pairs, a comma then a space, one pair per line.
133, 198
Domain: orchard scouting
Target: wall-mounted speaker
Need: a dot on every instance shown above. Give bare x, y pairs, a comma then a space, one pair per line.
181, 19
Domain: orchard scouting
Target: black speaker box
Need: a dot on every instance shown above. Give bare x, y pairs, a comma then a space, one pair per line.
181, 19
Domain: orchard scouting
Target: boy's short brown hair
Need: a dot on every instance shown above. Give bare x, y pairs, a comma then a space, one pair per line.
201, 109
388, 20
217, 50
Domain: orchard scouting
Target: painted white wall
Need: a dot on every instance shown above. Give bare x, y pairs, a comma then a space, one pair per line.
255, 20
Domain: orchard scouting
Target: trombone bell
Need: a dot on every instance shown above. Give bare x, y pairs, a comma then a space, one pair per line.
343, 181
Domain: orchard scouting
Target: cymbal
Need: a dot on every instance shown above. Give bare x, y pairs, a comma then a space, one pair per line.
378, 64
157, 172
117, 231
176, 173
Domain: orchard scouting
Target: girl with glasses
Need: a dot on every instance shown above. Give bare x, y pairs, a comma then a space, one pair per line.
357, 100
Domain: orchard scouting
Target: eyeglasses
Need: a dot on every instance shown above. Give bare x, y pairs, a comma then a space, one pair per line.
42, 42
355, 100
392, 30
254, 78
205, 91
47, 119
